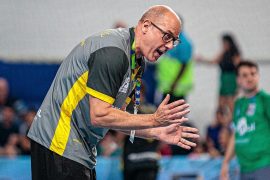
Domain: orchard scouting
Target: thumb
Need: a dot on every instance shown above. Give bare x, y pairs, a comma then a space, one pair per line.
166, 100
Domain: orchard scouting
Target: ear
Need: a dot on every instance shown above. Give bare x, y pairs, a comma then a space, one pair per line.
145, 26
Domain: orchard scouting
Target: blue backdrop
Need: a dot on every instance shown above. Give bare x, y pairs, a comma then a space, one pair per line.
28, 81
31, 81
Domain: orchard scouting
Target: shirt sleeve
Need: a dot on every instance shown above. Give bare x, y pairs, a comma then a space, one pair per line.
107, 67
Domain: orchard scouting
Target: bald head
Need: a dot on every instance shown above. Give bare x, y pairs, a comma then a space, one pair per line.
157, 32
159, 14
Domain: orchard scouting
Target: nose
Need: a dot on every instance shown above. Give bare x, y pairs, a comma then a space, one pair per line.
169, 45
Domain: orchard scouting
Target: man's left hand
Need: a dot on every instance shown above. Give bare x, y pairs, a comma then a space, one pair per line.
176, 134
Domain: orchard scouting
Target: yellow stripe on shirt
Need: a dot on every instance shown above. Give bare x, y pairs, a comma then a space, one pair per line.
75, 95
100, 95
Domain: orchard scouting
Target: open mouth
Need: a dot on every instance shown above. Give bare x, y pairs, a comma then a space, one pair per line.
160, 52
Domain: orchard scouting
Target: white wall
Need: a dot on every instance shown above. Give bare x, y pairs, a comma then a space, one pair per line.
50, 29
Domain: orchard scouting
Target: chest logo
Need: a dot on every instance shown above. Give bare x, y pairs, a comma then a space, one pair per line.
242, 127
251, 109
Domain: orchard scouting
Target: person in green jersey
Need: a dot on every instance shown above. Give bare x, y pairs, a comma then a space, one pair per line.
89, 94
251, 120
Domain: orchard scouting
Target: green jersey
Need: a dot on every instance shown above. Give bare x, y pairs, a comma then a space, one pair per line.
252, 131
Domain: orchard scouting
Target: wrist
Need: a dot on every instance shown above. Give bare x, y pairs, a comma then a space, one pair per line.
155, 133
154, 120
225, 162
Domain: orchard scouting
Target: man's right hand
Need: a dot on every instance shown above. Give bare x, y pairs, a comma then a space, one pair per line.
172, 113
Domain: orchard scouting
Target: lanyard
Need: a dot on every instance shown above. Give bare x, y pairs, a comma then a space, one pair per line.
137, 87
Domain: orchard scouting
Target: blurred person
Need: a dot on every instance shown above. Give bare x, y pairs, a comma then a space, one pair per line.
89, 94
120, 24
222, 119
227, 59
141, 157
21, 108
199, 151
24, 142
164, 149
5, 99
8, 133
111, 144
175, 76
223, 139
251, 118
4, 92
175, 70
11, 149
4, 96
224, 135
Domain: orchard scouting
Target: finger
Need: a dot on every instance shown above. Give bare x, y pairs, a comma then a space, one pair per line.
183, 145
179, 108
187, 142
190, 135
166, 100
189, 129
179, 115
178, 121
176, 103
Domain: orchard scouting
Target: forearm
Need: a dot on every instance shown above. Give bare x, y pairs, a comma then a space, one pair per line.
116, 119
145, 133
104, 115
172, 134
230, 150
214, 60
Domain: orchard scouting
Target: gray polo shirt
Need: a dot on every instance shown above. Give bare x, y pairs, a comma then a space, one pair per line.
99, 66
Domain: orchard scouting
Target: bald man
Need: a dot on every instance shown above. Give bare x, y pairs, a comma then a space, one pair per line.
91, 90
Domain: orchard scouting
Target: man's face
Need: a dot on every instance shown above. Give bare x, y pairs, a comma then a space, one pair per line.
154, 45
248, 78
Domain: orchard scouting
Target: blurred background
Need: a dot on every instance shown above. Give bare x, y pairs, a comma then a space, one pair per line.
37, 35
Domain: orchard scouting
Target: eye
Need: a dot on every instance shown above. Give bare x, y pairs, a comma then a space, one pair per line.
253, 73
244, 75
167, 37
